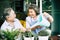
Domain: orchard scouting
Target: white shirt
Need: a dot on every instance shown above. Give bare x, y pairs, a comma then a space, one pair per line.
6, 25
30, 23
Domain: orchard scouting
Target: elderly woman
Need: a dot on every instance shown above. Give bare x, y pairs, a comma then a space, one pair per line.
35, 21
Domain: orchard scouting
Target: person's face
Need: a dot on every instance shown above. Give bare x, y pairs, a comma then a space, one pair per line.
11, 16
32, 13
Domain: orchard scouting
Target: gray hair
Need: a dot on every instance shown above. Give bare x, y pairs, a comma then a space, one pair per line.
34, 7
7, 12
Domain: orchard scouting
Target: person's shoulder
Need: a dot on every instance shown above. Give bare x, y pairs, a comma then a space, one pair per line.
40, 15
28, 17
3, 25
16, 19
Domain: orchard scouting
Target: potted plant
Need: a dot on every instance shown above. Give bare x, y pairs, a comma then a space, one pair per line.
43, 35
28, 35
2, 36
11, 35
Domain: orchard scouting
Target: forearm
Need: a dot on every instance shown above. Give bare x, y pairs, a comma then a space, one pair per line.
35, 27
50, 19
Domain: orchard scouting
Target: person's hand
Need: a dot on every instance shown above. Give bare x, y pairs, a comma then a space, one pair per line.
38, 26
45, 14
23, 29
28, 29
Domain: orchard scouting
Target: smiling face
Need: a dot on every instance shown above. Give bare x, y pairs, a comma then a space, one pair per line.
11, 16
32, 13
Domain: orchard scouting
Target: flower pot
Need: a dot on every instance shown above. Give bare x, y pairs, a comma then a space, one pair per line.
43, 37
28, 38
18, 39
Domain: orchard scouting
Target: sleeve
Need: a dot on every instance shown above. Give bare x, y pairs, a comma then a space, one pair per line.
20, 25
27, 22
43, 22
3, 28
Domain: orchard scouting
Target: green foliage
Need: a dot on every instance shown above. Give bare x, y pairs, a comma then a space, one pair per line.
47, 5
2, 37
10, 35
28, 34
43, 33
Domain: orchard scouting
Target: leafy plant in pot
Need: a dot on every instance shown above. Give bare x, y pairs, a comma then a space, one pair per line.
10, 35
28, 35
2, 37
43, 35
